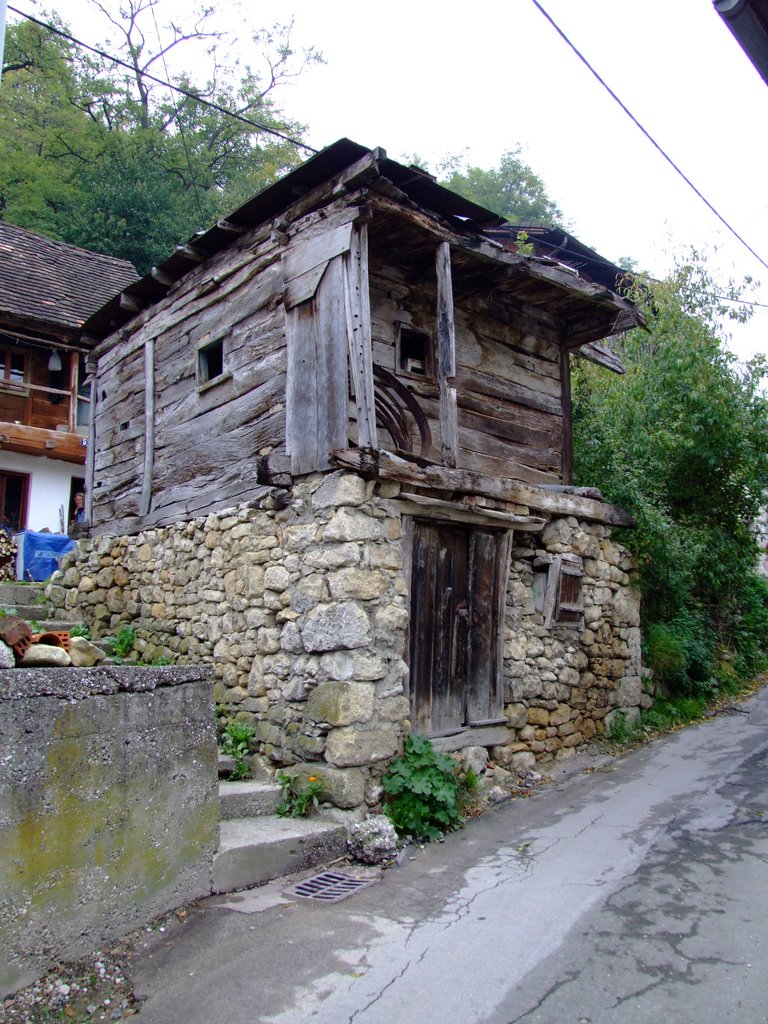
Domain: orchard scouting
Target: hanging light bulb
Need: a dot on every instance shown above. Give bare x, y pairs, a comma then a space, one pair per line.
54, 362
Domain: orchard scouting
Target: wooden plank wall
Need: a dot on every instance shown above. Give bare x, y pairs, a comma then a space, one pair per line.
205, 441
510, 418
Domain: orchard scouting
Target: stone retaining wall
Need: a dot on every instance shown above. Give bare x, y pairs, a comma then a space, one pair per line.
301, 605
108, 806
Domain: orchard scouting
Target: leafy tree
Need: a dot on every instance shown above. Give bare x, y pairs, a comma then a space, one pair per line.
513, 189
101, 156
681, 441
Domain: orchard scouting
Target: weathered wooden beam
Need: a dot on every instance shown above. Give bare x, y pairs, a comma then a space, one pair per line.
162, 278
190, 253
358, 317
378, 463
602, 355
446, 356
565, 399
149, 426
90, 453
129, 303
465, 513
230, 227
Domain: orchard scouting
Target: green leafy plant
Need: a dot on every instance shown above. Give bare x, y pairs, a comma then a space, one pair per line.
124, 642
299, 798
236, 741
80, 630
423, 791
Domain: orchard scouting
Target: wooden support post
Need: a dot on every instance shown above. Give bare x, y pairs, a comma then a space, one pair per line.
565, 392
149, 426
90, 451
74, 359
357, 304
446, 356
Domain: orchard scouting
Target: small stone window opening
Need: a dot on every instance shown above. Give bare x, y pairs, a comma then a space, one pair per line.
558, 589
414, 352
210, 362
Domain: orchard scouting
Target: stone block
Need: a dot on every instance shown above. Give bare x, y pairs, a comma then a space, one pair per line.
341, 787
357, 584
340, 489
341, 703
538, 716
349, 746
560, 715
629, 691
352, 525
516, 715
353, 665
329, 627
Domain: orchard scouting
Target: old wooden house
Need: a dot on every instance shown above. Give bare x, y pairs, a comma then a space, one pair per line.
47, 290
332, 454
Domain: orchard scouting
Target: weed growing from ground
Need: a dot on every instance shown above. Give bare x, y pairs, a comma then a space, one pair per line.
236, 741
299, 799
423, 791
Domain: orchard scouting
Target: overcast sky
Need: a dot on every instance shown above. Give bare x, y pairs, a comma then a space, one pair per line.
429, 78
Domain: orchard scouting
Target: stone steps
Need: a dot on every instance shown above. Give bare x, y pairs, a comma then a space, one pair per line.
248, 799
256, 850
15, 595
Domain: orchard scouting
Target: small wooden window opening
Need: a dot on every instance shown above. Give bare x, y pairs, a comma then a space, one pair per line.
414, 353
210, 362
558, 589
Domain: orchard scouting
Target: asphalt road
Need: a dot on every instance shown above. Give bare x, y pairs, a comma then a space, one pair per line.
635, 893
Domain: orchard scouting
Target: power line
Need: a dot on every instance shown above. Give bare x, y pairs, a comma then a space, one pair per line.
159, 81
645, 132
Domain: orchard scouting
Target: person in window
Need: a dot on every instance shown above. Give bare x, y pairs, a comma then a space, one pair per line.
78, 515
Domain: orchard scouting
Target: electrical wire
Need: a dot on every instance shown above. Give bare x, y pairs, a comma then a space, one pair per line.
176, 108
645, 132
159, 81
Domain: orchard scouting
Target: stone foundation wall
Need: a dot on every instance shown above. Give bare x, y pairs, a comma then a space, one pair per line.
301, 605
563, 681
108, 806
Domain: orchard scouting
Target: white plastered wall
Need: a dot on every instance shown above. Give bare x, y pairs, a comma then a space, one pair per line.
49, 487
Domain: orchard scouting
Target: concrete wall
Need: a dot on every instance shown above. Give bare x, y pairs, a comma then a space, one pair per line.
108, 806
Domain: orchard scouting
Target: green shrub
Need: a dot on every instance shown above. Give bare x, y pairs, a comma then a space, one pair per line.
423, 791
80, 630
124, 642
236, 740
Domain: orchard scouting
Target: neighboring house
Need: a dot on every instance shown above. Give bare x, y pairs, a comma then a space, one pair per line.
333, 451
47, 290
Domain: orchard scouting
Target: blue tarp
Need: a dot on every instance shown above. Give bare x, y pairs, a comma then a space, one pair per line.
39, 554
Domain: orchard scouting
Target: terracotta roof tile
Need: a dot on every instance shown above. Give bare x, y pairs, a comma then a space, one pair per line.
51, 282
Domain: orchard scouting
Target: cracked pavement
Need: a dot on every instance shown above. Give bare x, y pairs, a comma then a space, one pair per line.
634, 893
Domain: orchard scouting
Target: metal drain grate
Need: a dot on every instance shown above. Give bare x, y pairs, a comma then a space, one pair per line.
328, 887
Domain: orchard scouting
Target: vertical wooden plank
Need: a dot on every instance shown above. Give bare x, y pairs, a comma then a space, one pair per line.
489, 570
74, 358
331, 363
358, 318
446, 356
90, 451
149, 426
301, 388
565, 385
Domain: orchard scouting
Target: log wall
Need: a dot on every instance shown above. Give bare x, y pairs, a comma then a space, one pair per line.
202, 448
508, 384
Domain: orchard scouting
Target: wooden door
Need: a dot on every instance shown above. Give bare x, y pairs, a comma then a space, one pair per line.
458, 580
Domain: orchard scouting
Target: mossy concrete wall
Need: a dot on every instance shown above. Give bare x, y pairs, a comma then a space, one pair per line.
108, 806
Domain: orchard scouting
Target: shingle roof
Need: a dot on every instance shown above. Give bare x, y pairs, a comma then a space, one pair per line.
53, 283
